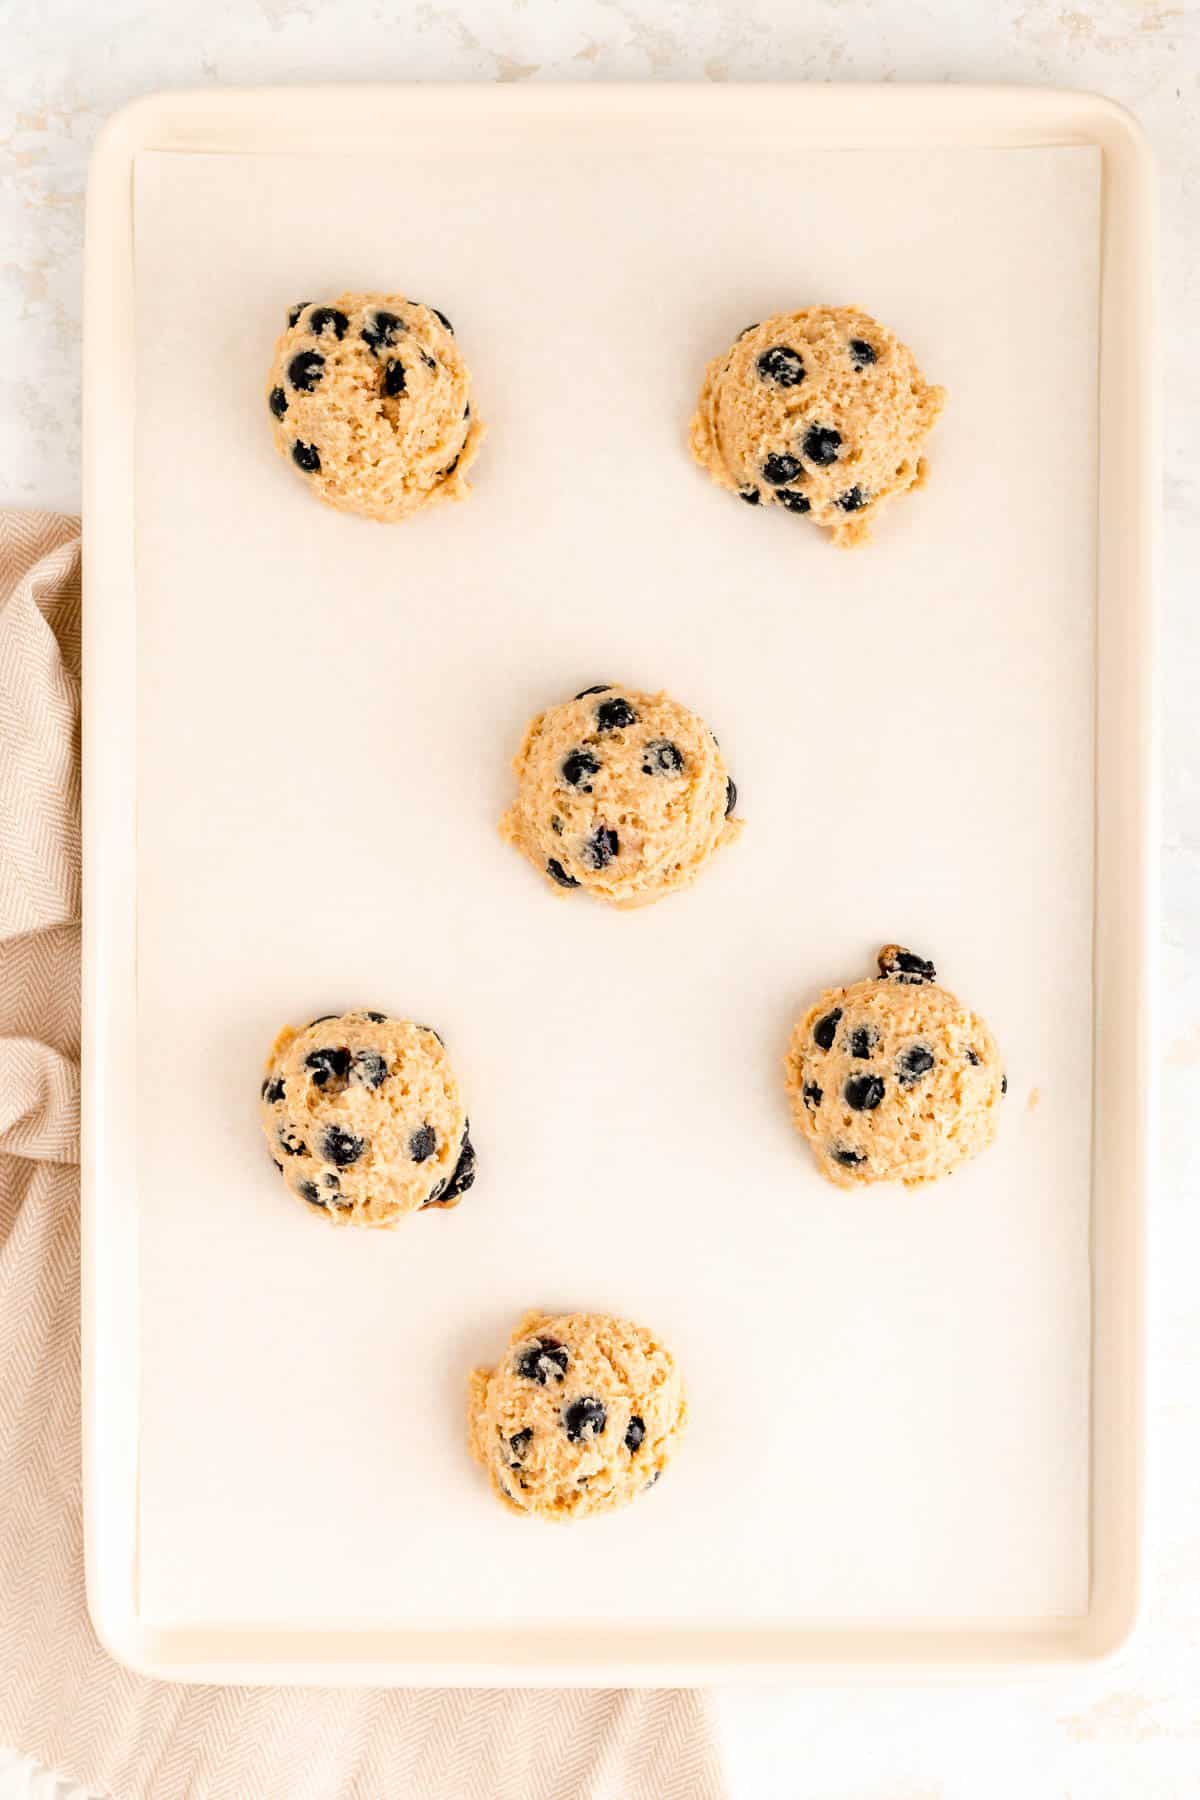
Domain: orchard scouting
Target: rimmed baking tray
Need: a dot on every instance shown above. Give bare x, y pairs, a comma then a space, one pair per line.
918, 1416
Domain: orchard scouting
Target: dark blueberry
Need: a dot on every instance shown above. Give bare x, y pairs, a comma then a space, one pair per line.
824, 1029
321, 316
1004, 1084
730, 795
277, 401
557, 873
604, 687
323, 1020
382, 329
862, 353
902, 965
782, 366
813, 1095
749, 495
341, 1147
422, 1144
290, 1142
615, 715
853, 500
445, 321
450, 468
598, 850
327, 1065
520, 1441
304, 370
914, 1062
542, 1361
429, 361
577, 767
272, 1091
797, 503
432, 1033
849, 1159
662, 758
295, 312
394, 379
464, 1171
331, 1181
973, 1057
745, 331
377, 1018
306, 457
863, 1040
821, 445
635, 1435
556, 825
368, 1068
584, 1419
863, 1092
307, 1190
780, 469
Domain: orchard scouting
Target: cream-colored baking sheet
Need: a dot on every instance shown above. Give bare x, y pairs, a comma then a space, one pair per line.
889, 1388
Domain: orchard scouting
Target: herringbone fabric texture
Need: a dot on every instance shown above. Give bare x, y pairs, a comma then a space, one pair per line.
62, 1699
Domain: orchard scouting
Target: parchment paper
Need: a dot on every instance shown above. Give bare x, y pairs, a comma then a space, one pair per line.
889, 1389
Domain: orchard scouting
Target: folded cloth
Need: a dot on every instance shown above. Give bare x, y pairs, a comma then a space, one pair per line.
62, 1698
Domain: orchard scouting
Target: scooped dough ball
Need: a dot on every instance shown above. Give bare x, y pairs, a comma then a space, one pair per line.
370, 401
622, 794
581, 1415
823, 412
893, 1079
364, 1119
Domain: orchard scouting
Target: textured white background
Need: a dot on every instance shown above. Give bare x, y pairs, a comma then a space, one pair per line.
1132, 1730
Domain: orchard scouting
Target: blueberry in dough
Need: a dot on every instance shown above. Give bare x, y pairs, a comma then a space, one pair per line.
600, 848
558, 874
779, 364
304, 371
381, 330
780, 469
586, 1417
822, 445
328, 318
542, 1361
615, 715
422, 1143
662, 758
394, 379
277, 401
796, 503
306, 457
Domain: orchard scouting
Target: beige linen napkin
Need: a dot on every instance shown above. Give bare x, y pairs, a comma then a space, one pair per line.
62, 1699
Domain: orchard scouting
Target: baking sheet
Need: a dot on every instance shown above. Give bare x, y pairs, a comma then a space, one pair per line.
890, 1390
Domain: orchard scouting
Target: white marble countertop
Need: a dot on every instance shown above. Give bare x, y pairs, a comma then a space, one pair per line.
1131, 1729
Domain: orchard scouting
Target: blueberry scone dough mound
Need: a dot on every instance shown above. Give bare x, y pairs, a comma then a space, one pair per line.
370, 401
623, 794
893, 1079
582, 1414
364, 1119
823, 412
